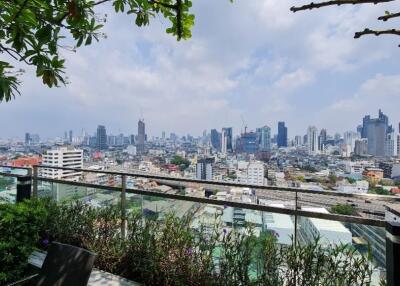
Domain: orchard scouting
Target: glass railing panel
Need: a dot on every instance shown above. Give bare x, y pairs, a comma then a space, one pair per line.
368, 241
62, 193
8, 189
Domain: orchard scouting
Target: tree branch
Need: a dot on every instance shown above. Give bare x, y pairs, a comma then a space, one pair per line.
376, 33
389, 16
313, 5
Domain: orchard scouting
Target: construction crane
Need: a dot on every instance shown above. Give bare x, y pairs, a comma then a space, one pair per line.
244, 124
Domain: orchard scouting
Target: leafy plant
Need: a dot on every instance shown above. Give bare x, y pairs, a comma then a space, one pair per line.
32, 32
343, 209
169, 251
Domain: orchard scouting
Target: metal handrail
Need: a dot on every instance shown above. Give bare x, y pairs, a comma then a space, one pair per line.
295, 211
264, 208
230, 184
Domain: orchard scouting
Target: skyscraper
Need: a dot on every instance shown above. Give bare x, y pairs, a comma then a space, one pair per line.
101, 137
361, 147
70, 137
228, 134
322, 139
27, 139
376, 130
282, 134
312, 140
298, 140
264, 138
215, 139
141, 136
224, 142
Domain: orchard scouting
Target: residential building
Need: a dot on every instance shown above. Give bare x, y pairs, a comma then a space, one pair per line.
312, 140
229, 138
224, 142
374, 174
322, 140
62, 157
204, 169
141, 137
391, 170
376, 130
101, 137
389, 144
361, 147
215, 139
298, 140
264, 138
282, 134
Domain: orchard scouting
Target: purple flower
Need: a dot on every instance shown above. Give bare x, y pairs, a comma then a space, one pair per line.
224, 230
45, 242
189, 251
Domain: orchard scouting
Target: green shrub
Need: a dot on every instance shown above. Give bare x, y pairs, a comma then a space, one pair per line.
169, 252
343, 209
20, 226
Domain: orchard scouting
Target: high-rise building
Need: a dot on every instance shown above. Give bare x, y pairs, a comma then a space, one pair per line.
224, 142
229, 138
27, 139
215, 139
141, 136
101, 137
282, 134
322, 140
70, 137
264, 138
204, 169
254, 174
312, 140
298, 140
248, 143
62, 157
361, 147
398, 145
389, 144
163, 135
376, 131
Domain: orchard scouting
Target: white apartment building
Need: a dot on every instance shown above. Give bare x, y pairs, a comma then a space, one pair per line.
360, 187
62, 157
312, 140
357, 166
253, 174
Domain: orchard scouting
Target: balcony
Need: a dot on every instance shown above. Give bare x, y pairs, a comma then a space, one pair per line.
159, 230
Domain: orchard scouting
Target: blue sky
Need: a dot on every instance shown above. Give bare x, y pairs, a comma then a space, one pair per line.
253, 59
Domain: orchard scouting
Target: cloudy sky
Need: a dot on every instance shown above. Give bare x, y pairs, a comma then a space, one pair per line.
253, 59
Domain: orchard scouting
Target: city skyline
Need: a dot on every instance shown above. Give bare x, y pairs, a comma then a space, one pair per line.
256, 69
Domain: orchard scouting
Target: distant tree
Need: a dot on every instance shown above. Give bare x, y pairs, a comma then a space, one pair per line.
33, 32
333, 178
343, 209
351, 180
379, 191
387, 15
181, 162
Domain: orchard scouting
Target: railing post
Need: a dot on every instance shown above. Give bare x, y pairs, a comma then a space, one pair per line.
24, 188
123, 206
393, 245
295, 218
35, 182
